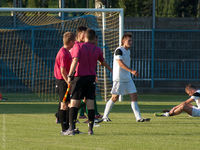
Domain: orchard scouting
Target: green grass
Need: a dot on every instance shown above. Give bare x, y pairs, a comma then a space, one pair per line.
31, 126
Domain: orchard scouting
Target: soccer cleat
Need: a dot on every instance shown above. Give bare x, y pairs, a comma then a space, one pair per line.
68, 132
162, 114
106, 119
62, 132
77, 131
96, 125
77, 121
82, 117
90, 132
159, 114
103, 119
99, 116
144, 120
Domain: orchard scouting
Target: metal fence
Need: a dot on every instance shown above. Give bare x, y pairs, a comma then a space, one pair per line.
166, 56
165, 52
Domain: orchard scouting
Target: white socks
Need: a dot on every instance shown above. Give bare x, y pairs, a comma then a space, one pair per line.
108, 108
136, 110
134, 106
166, 114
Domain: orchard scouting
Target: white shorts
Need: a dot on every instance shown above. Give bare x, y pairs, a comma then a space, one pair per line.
123, 88
195, 111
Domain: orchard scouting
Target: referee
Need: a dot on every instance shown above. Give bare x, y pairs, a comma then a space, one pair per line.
61, 70
84, 62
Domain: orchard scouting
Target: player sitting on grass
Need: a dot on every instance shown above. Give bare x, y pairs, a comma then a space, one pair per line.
186, 106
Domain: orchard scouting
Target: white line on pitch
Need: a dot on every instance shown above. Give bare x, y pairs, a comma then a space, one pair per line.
4, 132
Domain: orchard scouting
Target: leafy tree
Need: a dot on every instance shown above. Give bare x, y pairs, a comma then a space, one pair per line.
186, 8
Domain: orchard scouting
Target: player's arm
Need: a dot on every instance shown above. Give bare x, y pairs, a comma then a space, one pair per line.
72, 68
192, 98
123, 66
188, 101
103, 63
64, 73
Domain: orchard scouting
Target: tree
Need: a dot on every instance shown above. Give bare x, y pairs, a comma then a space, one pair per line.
186, 8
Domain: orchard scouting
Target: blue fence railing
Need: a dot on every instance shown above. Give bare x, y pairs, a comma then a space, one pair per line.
173, 57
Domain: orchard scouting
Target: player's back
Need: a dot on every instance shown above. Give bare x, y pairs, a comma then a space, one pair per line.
89, 55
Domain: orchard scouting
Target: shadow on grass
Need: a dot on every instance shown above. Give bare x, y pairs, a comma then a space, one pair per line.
126, 108
52, 108
28, 108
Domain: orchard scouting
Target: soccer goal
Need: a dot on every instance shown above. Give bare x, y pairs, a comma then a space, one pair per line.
31, 37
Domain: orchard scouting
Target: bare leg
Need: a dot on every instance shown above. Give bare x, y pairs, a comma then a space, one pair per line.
185, 107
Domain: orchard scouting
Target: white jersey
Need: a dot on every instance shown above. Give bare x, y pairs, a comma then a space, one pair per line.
120, 74
196, 97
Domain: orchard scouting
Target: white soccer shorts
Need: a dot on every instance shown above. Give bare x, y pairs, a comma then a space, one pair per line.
195, 111
123, 88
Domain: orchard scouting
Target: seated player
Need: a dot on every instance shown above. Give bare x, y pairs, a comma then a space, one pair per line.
186, 106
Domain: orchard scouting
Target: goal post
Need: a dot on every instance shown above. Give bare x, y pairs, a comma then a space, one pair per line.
31, 37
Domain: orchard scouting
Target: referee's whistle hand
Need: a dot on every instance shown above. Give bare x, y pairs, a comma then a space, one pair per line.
135, 73
68, 80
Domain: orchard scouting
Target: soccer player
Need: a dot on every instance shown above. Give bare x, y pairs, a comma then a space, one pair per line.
61, 70
122, 81
83, 85
186, 106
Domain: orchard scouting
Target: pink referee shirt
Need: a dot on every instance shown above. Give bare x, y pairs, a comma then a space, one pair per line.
63, 59
88, 55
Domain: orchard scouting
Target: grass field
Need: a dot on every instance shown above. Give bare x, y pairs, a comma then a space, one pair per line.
31, 126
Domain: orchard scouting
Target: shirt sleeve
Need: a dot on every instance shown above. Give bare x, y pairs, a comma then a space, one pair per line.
75, 51
196, 95
118, 54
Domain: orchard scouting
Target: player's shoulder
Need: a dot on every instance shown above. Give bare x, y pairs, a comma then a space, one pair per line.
197, 93
78, 44
61, 51
119, 51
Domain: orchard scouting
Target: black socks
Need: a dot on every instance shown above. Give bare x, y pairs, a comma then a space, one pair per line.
73, 112
91, 115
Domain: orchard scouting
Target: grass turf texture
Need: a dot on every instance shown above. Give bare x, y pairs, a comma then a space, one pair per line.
31, 126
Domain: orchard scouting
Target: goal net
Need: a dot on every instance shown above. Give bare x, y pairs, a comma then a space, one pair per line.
30, 39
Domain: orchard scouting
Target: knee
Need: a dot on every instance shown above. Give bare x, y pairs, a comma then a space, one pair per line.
183, 106
114, 98
134, 97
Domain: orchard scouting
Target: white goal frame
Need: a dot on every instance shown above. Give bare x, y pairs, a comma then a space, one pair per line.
62, 10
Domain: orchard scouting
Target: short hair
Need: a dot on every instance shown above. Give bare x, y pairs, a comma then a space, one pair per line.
190, 86
90, 34
81, 29
68, 37
125, 36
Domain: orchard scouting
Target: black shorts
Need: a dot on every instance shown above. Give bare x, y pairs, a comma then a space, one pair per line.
83, 87
61, 88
